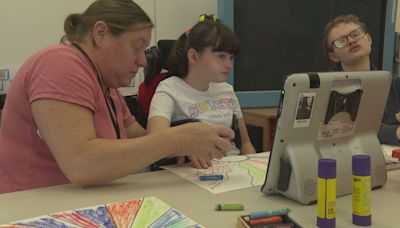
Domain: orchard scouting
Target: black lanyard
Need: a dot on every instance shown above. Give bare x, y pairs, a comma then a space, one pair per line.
114, 110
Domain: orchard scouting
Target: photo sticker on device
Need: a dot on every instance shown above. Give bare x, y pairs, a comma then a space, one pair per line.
304, 110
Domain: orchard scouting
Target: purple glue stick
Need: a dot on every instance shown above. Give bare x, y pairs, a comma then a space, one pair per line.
326, 214
361, 166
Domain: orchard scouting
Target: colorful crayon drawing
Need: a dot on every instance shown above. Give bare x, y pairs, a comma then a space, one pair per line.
241, 171
145, 212
124, 213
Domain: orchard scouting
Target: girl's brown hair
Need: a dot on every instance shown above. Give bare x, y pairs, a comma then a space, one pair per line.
208, 33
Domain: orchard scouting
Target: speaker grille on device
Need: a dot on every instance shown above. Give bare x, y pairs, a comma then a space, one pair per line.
310, 187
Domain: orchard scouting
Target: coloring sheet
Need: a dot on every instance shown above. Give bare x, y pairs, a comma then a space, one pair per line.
241, 171
145, 212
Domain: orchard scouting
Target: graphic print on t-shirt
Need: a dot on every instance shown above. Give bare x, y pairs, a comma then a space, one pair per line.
215, 109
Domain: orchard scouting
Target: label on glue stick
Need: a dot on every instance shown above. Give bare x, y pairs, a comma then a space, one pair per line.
362, 195
326, 198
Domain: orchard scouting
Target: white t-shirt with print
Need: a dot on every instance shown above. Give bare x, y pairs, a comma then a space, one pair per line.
175, 100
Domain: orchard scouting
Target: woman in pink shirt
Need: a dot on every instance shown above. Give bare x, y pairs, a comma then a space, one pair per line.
64, 120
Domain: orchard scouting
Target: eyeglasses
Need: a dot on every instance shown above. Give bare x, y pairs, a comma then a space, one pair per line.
342, 41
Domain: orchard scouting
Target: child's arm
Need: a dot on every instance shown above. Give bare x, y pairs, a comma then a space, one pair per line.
247, 147
157, 123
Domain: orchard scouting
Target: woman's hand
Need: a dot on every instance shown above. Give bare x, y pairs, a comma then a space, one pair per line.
195, 162
204, 142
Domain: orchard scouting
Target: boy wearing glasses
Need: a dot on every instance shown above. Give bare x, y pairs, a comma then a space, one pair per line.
347, 43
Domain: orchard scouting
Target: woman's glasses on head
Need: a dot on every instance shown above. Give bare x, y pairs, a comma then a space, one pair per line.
342, 41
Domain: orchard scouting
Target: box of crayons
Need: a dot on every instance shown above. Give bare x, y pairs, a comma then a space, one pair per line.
267, 220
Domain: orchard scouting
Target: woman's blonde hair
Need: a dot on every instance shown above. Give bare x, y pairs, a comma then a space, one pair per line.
119, 15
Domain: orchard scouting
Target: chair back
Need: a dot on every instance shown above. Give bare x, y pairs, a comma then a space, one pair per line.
155, 63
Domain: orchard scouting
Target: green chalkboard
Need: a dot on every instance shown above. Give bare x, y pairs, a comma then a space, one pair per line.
280, 37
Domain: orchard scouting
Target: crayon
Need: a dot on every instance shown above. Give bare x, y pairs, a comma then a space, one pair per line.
229, 207
275, 225
211, 177
269, 225
262, 214
266, 220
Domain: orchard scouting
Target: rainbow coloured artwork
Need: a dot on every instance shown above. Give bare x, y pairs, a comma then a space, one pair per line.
240, 171
145, 212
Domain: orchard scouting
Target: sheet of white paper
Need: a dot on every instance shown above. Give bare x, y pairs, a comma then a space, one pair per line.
391, 162
387, 149
241, 171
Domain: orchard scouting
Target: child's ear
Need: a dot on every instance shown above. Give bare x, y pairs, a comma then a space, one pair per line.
333, 57
192, 55
369, 39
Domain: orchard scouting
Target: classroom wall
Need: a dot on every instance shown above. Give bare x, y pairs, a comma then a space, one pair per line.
27, 26
172, 17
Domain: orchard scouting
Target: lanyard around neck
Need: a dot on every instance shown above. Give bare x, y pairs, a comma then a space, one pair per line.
113, 113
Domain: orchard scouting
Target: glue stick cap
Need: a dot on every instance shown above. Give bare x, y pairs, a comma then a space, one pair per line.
361, 165
327, 168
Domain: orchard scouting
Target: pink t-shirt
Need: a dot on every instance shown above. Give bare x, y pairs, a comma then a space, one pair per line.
62, 73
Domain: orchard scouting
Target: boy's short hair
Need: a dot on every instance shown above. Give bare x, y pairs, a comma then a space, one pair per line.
349, 18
